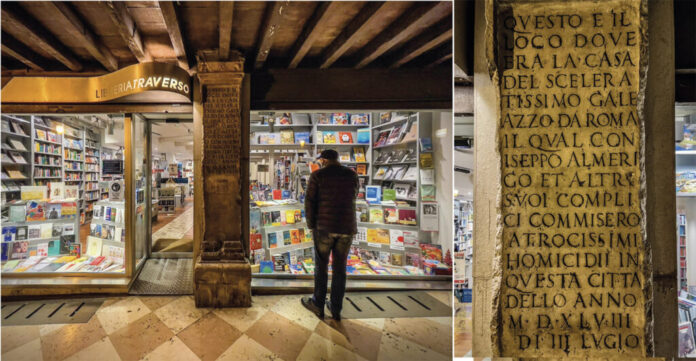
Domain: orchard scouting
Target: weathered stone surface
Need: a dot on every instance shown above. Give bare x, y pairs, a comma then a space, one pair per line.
222, 284
573, 265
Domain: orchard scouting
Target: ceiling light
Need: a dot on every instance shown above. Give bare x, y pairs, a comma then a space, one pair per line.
60, 129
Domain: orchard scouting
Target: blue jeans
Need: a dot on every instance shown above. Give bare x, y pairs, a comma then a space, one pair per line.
324, 244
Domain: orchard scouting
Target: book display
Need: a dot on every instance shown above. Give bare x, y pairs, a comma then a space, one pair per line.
52, 184
383, 149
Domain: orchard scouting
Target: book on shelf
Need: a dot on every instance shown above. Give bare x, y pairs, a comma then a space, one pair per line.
300, 118
53, 210
344, 156
284, 119
359, 154
17, 128
321, 118
411, 174
376, 215
302, 137
15, 174
391, 216
385, 117
412, 133
399, 172
17, 144
382, 137
396, 239
339, 118
407, 216
427, 176
319, 137
428, 193
381, 172
401, 190
429, 217
373, 194
287, 137
363, 136
388, 194
426, 145
345, 137
287, 238
378, 235
329, 137
272, 240
361, 169
395, 134
360, 119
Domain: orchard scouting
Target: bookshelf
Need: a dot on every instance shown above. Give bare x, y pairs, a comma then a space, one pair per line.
16, 156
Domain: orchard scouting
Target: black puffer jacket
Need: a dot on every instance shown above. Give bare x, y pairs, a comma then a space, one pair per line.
330, 200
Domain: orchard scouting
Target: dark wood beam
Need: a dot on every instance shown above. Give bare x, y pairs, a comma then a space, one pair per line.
309, 32
87, 37
121, 18
422, 43
174, 29
339, 88
16, 49
438, 56
269, 28
226, 14
16, 21
407, 25
352, 31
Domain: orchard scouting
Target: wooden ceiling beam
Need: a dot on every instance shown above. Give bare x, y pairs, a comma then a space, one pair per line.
309, 33
422, 43
269, 28
407, 25
174, 29
87, 37
438, 56
226, 15
121, 18
14, 48
350, 33
16, 21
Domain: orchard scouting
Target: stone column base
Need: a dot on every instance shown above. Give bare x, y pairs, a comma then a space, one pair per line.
222, 284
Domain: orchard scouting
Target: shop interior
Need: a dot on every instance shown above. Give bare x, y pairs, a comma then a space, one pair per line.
394, 153
64, 206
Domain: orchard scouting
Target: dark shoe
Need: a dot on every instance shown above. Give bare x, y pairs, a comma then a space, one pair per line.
335, 315
308, 303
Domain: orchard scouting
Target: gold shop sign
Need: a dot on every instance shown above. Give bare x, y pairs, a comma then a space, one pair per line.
131, 80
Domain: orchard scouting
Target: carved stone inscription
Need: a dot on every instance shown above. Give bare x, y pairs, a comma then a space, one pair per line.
570, 140
221, 168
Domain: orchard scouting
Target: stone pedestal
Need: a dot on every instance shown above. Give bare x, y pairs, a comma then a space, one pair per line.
222, 284
222, 273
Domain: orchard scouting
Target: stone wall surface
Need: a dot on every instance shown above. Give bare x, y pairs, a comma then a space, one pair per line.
574, 277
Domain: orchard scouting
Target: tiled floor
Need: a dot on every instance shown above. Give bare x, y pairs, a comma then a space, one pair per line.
462, 329
274, 328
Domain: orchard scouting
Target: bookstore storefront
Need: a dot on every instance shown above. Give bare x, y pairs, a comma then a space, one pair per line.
76, 185
400, 158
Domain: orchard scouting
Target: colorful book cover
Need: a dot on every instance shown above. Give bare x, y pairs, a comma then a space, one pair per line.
359, 154
68, 210
53, 210
329, 137
385, 117
35, 211
345, 137
287, 239
373, 194
290, 216
396, 239
376, 215
381, 172
255, 241
9, 234
275, 218
20, 250
426, 160
287, 137
431, 251
388, 194
397, 259
363, 136
298, 216
309, 236
361, 169
17, 212
295, 236
391, 216
428, 193
339, 118
272, 240
34, 231
382, 138
378, 235
266, 267
412, 259
301, 136
344, 156
426, 145
360, 119
407, 216
395, 134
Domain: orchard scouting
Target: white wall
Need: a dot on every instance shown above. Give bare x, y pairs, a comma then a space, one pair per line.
443, 148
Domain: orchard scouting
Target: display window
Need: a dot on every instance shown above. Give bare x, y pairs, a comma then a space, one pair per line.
397, 211
63, 194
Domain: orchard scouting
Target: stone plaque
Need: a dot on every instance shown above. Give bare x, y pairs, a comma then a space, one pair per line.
573, 257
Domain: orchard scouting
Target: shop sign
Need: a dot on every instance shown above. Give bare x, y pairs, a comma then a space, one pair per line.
130, 80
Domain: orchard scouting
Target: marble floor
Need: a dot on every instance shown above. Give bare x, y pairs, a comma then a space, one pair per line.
274, 328
462, 329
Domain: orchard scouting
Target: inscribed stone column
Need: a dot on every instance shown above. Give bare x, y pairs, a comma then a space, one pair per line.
573, 274
222, 274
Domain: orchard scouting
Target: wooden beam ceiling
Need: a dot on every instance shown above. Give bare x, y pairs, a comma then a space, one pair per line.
309, 33
174, 29
407, 25
352, 31
269, 28
226, 14
121, 18
422, 43
87, 37
21, 52
439, 55
16, 21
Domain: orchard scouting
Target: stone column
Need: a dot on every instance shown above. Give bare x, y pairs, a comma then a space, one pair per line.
222, 273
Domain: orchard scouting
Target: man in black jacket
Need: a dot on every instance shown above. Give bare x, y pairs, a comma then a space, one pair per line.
330, 213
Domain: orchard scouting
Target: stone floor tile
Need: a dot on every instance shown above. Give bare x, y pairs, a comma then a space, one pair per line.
121, 313
280, 335
46, 329
155, 302
246, 349
320, 348
209, 337
140, 337
442, 296
394, 347
15, 336
376, 323
291, 308
70, 339
30, 351
357, 337
266, 301
241, 318
171, 350
180, 313
428, 333
102, 350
